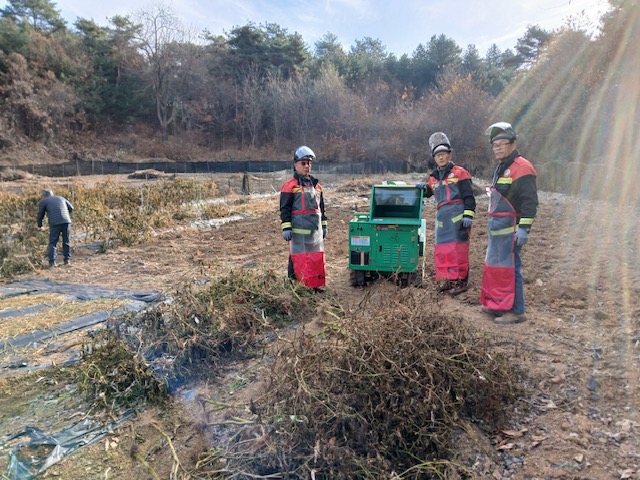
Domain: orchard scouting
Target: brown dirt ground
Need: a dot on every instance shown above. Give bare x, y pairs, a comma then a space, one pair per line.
581, 341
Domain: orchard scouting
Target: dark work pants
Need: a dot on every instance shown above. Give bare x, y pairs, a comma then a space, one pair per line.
291, 273
54, 235
518, 302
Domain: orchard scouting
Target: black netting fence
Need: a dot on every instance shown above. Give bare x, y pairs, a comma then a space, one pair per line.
94, 167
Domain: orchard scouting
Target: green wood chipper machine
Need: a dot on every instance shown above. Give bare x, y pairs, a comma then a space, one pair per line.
389, 240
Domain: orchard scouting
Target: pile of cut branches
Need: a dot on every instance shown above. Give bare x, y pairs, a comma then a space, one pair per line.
191, 336
380, 393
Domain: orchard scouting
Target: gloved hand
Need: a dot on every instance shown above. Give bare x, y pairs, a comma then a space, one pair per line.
466, 222
287, 234
324, 232
421, 185
521, 237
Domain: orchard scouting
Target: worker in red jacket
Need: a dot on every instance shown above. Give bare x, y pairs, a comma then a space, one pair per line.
304, 222
452, 187
512, 210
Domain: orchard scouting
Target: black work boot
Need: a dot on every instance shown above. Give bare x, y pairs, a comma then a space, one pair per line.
459, 287
53, 264
67, 261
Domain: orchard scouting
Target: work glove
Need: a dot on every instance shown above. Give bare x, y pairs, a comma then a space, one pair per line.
421, 185
287, 234
521, 237
466, 222
324, 232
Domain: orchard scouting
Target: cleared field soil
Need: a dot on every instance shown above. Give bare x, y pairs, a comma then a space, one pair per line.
581, 342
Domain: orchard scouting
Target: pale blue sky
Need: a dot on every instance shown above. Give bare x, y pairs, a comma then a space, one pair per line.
400, 25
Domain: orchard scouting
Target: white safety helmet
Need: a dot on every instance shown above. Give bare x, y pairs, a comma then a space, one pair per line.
501, 130
303, 153
438, 142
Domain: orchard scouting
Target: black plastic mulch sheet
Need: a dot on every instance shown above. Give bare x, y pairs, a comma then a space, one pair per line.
80, 292
41, 450
138, 300
38, 450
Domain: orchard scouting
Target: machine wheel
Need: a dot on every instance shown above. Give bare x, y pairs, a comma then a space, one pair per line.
417, 278
357, 278
400, 279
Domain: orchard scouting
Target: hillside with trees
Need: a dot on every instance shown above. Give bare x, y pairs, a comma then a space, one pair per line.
144, 86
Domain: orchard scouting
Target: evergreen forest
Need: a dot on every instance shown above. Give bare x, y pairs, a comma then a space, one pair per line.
145, 86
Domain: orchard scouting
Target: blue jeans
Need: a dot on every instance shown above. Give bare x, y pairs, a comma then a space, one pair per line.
518, 301
54, 235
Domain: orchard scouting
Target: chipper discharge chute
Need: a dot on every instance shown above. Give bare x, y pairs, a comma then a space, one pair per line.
389, 240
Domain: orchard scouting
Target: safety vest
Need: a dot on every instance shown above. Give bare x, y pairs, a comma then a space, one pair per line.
306, 246
451, 250
498, 275
507, 210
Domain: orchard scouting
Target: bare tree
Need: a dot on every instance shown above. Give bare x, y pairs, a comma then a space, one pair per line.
252, 105
276, 98
459, 107
301, 109
164, 42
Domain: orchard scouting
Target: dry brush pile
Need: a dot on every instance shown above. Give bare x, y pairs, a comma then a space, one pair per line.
189, 337
381, 391
377, 391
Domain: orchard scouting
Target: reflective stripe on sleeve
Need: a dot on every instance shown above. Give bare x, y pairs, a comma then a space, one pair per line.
502, 231
505, 180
